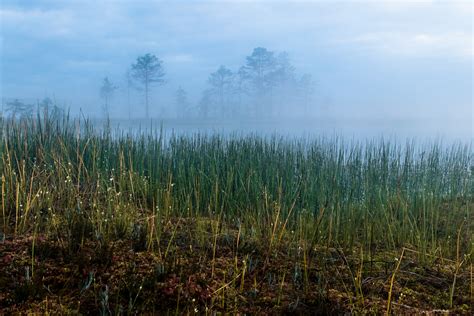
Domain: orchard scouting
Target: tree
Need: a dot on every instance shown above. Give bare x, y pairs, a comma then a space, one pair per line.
260, 67
221, 81
106, 92
239, 86
282, 83
148, 70
284, 72
16, 108
50, 109
129, 85
45, 106
206, 103
181, 102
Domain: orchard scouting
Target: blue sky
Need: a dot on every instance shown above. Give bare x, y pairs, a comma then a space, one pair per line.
370, 58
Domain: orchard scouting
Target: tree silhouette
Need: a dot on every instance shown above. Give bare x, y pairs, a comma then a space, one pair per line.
18, 109
240, 87
220, 82
129, 85
148, 70
49, 108
106, 92
282, 85
181, 102
260, 67
206, 103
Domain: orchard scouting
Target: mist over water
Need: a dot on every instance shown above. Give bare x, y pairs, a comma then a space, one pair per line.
444, 131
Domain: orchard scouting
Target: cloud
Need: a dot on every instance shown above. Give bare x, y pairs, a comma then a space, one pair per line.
458, 44
37, 23
85, 64
179, 58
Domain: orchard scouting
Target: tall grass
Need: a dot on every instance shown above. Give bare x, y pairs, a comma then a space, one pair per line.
68, 180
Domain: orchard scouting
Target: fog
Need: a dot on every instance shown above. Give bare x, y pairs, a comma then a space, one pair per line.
353, 68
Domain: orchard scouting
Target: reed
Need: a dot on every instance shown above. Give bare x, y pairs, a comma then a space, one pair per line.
68, 180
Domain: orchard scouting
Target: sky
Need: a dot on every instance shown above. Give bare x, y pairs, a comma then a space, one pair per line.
369, 58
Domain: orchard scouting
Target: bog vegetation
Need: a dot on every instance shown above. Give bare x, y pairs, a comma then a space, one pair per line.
104, 221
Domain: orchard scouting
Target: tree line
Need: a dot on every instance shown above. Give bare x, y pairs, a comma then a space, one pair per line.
266, 85
19, 109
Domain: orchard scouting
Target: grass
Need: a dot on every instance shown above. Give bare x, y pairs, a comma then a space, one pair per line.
114, 222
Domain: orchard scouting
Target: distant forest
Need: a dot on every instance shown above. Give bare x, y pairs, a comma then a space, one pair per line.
267, 85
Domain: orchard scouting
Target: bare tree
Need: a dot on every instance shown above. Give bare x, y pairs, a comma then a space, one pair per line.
148, 70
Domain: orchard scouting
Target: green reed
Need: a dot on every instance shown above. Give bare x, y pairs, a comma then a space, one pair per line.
66, 178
